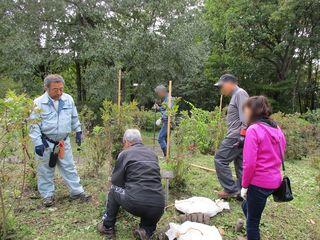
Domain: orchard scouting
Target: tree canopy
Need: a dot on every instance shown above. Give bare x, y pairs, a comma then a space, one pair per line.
271, 46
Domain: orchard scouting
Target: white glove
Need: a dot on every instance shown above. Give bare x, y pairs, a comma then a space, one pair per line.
244, 192
156, 106
158, 122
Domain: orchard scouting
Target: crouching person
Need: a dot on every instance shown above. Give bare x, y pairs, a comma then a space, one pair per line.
136, 187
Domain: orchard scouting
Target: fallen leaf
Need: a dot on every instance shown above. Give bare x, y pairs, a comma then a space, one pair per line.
221, 231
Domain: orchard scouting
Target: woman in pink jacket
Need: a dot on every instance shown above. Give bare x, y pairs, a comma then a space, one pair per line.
262, 157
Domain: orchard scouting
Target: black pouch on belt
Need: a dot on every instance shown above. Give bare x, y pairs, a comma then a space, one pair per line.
54, 156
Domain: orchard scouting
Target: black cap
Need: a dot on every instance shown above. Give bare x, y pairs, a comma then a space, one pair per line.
226, 78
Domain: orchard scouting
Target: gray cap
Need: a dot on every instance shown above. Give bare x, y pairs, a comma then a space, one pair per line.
160, 88
52, 78
226, 78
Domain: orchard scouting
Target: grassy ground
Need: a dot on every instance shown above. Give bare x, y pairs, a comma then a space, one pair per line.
299, 219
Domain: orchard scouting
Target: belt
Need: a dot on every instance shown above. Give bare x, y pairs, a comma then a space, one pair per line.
46, 138
53, 154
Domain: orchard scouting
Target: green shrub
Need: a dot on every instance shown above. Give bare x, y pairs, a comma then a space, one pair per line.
98, 151
14, 141
88, 119
315, 159
145, 119
104, 143
116, 121
312, 116
302, 137
179, 168
200, 130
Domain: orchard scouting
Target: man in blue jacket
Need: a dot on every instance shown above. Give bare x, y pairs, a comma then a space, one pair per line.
58, 118
162, 92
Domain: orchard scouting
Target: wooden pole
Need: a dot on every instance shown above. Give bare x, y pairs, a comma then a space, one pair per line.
119, 95
206, 168
119, 89
203, 168
221, 98
169, 122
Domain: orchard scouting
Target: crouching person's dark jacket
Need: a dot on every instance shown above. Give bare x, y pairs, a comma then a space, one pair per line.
137, 171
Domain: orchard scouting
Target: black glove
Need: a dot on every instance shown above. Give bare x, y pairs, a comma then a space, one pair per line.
79, 138
240, 141
39, 150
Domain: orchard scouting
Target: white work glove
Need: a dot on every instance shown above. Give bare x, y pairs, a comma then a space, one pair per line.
244, 192
158, 122
156, 106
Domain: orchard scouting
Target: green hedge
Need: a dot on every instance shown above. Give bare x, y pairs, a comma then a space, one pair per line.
303, 137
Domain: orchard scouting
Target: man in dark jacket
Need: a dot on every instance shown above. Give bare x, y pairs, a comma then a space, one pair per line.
136, 187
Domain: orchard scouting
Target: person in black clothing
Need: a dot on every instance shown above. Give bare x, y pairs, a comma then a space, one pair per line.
136, 187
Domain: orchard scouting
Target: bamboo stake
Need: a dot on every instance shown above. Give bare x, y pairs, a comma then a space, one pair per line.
221, 98
119, 94
203, 168
119, 89
169, 121
206, 168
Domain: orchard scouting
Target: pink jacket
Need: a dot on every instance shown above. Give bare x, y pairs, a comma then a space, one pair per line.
261, 156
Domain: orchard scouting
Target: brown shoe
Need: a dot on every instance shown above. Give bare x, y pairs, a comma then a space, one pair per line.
109, 232
226, 195
141, 234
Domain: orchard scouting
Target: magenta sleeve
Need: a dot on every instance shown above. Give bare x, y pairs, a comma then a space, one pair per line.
250, 152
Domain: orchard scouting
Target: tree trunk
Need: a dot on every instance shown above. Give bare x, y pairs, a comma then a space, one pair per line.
314, 89
78, 81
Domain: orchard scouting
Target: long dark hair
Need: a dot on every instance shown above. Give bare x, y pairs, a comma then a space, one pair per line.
260, 107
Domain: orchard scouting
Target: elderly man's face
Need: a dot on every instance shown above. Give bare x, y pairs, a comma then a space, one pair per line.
55, 90
162, 93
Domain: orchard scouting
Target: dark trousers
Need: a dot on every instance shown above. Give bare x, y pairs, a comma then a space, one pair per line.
149, 215
162, 138
253, 208
226, 154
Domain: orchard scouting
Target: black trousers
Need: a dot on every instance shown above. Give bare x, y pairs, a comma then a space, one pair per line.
253, 208
149, 215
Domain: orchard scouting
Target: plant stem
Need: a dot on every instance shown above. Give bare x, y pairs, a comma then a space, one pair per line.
3, 213
25, 158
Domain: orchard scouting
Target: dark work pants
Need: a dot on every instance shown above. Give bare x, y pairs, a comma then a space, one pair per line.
162, 138
149, 215
226, 154
253, 208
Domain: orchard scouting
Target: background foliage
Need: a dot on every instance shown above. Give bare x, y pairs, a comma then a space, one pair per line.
272, 46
